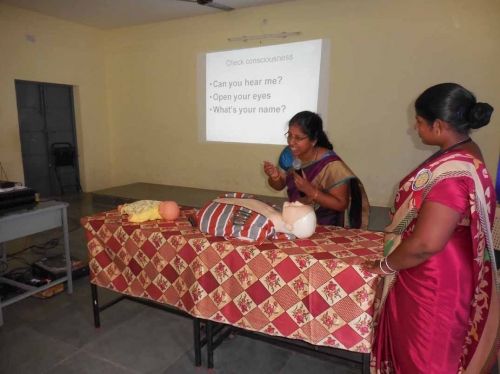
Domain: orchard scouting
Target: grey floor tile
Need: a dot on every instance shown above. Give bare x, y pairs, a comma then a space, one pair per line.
185, 365
24, 350
37, 311
85, 363
245, 355
147, 343
74, 323
301, 363
33, 309
240, 355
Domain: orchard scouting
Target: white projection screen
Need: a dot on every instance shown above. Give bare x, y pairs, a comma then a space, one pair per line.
250, 94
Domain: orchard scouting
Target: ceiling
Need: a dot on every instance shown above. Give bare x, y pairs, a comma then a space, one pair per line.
109, 14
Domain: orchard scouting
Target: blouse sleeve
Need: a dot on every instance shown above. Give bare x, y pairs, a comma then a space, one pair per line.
452, 192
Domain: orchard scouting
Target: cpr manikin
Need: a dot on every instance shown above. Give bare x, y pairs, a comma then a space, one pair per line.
297, 219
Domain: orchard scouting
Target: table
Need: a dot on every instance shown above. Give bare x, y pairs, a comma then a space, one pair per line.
23, 222
308, 289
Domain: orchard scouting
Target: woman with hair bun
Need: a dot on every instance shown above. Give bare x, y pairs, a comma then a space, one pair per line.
314, 174
439, 311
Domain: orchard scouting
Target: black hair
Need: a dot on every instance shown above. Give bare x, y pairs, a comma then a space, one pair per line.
311, 124
455, 105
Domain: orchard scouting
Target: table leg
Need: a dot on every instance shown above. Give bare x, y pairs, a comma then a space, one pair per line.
366, 363
95, 305
69, 270
197, 341
210, 350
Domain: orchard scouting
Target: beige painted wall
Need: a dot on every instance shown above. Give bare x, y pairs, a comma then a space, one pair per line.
383, 54
137, 118
59, 52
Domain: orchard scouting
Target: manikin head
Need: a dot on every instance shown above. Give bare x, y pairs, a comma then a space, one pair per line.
169, 210
300, 219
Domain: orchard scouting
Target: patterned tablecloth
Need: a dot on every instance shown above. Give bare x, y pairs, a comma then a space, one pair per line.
308, 289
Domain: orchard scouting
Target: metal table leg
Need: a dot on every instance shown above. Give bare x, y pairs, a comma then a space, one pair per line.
95, 305
366, 363
69, 270
197, 341
210, 350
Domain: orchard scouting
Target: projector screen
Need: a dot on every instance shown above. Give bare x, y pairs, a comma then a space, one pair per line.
250, 94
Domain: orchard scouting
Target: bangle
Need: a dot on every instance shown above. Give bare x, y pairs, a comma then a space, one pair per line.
387, 265
382, 269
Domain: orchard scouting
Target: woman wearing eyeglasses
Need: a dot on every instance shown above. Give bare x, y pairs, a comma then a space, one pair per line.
319, 176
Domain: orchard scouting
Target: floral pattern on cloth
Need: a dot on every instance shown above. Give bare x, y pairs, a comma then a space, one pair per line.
482, 326
310, 289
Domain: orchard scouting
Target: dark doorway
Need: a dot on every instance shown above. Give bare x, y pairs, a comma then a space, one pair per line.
47, 120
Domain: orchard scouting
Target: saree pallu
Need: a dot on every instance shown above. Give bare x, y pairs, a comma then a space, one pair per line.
442, 316
326, 173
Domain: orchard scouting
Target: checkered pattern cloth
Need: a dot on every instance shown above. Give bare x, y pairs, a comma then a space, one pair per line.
309, 289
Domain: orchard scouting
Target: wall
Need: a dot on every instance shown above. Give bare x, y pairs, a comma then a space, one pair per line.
383, 54
136, 89
44, 49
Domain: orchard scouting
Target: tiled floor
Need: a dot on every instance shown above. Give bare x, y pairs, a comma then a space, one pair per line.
57, 335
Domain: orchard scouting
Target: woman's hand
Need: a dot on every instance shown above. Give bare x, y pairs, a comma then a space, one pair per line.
271, 170
435, 225
373, 267
303, 185
276, 178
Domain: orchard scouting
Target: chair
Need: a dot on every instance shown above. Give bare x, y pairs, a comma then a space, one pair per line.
65, 166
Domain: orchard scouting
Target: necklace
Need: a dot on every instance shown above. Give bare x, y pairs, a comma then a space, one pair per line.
443, 151
315, 158
440, 152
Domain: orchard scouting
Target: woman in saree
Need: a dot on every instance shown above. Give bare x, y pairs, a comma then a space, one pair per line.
318, 175
439, 308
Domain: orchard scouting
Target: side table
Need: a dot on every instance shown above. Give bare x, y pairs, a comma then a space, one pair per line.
15, 224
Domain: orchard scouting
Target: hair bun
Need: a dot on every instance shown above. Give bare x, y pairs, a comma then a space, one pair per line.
479, 115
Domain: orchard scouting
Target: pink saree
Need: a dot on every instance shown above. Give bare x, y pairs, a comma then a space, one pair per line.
442, 316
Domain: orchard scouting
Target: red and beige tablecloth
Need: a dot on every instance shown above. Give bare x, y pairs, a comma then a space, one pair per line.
310, 289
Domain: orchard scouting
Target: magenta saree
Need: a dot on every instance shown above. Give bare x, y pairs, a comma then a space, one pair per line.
442, 315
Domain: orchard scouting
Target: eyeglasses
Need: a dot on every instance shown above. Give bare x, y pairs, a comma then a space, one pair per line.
296, 139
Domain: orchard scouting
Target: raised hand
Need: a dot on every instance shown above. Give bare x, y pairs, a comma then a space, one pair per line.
271, 170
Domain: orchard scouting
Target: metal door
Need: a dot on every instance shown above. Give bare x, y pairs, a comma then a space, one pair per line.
46, 116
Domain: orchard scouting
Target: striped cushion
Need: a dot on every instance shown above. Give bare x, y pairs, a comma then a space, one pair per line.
231, 221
